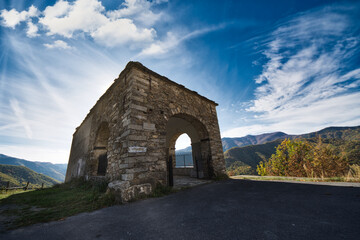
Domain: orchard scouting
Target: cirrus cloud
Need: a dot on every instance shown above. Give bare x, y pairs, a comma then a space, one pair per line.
310, 78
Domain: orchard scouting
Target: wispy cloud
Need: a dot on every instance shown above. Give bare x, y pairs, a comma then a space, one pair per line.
20, 118
172, 40
309, 79
47, 101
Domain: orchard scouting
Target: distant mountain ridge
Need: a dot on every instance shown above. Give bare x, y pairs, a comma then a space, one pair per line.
249, 156
252, 139
18, 176
55, 171
184, 150
329, 132
345, 133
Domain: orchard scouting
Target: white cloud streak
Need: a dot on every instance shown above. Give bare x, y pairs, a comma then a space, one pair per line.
20, 118
172, 40
308, 80
49, 98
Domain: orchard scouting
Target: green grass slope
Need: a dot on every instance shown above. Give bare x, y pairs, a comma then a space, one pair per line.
20, 175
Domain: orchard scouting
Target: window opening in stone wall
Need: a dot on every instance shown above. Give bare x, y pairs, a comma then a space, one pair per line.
103, 162
100, 149
183, 152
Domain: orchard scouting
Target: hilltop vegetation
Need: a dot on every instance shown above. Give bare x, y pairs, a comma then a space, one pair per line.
301, 158
18, 176
345, 141
55, 171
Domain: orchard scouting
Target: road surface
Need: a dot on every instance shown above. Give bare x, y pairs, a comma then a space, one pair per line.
231, 209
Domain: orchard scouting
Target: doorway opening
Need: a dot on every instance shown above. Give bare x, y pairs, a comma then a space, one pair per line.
100, 149
198, 164
183, 152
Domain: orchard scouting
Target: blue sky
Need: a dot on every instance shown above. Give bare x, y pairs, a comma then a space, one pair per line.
290, 66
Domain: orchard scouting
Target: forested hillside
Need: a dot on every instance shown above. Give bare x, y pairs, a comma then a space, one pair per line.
20, 175
345, 140
56, 171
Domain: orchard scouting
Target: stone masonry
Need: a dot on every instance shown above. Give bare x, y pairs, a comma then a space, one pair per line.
129, 135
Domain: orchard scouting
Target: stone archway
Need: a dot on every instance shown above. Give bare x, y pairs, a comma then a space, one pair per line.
100, 150
145, 113
201, 151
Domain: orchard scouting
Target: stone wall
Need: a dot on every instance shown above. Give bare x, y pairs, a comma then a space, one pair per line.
142, 114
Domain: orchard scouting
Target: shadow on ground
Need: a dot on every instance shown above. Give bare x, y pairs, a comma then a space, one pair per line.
231, 209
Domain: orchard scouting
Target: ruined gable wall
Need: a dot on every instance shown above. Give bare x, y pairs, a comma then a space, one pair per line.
137, 108
110, 108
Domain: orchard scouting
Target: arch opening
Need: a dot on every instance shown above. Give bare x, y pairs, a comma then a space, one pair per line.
200, 147
100, 149
183, 153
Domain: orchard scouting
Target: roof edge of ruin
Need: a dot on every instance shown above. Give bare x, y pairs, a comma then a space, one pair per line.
141, 67
138, 65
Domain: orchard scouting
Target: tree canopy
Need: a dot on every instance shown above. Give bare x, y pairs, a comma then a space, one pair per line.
300, 158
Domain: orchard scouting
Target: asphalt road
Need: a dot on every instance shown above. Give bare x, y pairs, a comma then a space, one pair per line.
232, 209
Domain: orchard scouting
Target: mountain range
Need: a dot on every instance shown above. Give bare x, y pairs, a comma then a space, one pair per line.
55, 171
243, 159
345, 133
252, 139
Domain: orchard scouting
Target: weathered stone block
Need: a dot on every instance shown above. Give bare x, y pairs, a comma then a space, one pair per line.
149, 126
137, 138
127, 177
138, 107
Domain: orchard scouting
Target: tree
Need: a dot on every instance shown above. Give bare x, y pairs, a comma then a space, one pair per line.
326, 163
300, 158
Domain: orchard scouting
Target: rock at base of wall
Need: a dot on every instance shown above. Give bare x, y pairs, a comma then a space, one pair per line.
124, 192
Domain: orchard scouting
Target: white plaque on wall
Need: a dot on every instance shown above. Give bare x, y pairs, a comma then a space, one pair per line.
137, 149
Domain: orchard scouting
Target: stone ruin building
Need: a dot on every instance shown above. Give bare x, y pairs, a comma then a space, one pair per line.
128, 137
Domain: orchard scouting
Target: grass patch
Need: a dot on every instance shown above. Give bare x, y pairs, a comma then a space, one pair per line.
5, 194
57, 202
161, 191
300, 179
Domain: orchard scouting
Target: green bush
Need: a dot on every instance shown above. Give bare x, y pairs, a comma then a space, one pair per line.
300, 158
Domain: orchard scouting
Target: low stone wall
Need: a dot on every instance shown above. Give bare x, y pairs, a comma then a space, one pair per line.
124, 192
